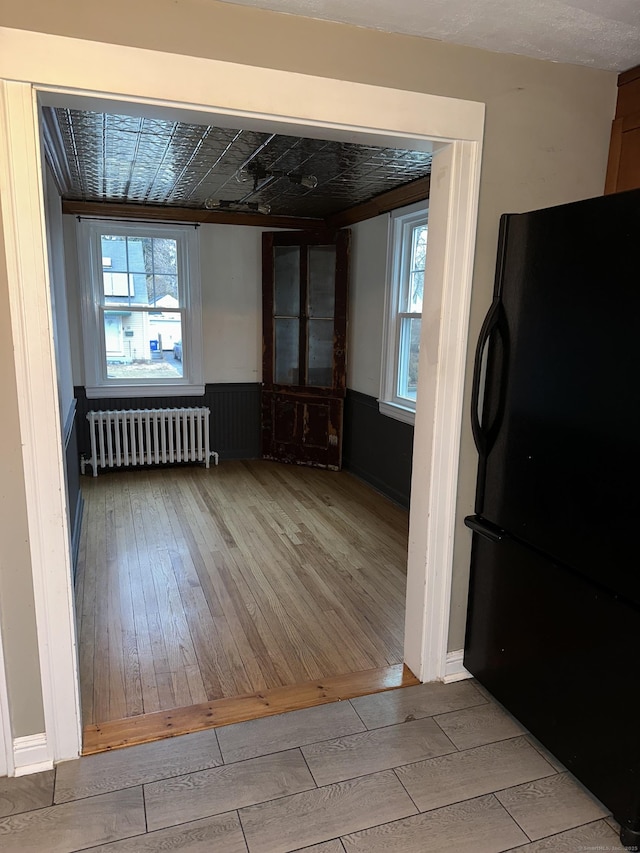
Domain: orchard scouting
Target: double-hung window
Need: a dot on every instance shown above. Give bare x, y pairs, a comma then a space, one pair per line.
407, 252
140, 309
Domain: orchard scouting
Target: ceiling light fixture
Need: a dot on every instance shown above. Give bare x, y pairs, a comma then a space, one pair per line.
237, 206
261, 176
308, 181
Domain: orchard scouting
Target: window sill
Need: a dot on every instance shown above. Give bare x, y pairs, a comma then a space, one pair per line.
127, 391
396, 411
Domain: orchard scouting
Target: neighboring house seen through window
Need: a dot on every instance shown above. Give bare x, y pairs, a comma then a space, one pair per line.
141, 308
407, 253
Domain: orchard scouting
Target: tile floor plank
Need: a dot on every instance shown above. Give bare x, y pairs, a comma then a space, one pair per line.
464, 775
593, 836
551, 805
285, 731
334, 846
124, 768
74, 826
478, 726
219, 834
19, 794
413, 703
198, 795
371, 751
548, 756
479, 825
314, 816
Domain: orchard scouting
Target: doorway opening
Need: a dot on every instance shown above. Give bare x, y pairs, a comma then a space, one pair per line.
458, 162
243, 581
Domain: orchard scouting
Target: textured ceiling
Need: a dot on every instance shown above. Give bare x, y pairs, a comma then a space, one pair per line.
599, 33
120, 158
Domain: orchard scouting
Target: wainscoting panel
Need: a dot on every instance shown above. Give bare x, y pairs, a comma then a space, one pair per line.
235, 419
378, 449
74, 492
234, 425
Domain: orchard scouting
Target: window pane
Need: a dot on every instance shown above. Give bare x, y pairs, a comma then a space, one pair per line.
322, 273
118, 284
286, 272
408, 357
143, 345
416, 275
320, 363
162, 290
114, 253
140, 271
287, 341
165, 256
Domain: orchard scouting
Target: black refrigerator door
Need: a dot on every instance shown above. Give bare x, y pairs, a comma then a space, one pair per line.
560, 427
562, 656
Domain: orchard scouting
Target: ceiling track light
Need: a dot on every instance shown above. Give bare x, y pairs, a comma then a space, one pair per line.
308, 181
237, 206
261, 176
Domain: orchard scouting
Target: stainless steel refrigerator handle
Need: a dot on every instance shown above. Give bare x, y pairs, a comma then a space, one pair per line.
490, 323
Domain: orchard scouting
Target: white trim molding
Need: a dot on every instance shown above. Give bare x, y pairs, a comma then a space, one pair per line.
88, 75
454, 670
6, 743
402, 222
187, 239
436, 448
22, 201
31, 754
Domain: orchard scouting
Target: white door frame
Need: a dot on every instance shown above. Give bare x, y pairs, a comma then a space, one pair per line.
6, 741
56, 69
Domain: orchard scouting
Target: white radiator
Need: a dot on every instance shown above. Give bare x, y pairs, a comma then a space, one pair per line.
148, 437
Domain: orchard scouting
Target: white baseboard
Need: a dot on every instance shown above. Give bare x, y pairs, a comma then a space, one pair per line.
31, 754
454, 670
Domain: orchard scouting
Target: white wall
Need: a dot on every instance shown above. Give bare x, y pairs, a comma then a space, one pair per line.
230, 262
57, 274
366, 304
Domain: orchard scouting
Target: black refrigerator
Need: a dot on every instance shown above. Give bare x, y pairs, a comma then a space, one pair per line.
553, 627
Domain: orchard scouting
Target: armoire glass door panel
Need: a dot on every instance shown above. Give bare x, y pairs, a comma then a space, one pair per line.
320, 353
287, 343
322, 277
286, 277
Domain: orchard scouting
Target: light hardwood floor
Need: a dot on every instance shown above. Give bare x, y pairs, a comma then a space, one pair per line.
198, 585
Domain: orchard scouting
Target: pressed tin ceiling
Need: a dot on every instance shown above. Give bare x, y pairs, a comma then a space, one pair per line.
126, 159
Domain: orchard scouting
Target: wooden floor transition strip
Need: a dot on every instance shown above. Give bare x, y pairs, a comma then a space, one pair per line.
143, 728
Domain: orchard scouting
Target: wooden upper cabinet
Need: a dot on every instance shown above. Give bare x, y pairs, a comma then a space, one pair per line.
623, 169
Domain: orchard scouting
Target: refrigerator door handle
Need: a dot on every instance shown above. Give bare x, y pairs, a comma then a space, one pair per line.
490, 324
485, 528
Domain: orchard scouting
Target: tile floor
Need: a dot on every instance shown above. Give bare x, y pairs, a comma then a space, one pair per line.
428, 768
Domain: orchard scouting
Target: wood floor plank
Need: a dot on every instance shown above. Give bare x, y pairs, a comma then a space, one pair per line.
124, 554
118, 733
196, 585
234, 675
156, 636
318, 649
149, 687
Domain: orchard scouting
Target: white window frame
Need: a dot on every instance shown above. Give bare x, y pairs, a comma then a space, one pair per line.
92, 294
401, 225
